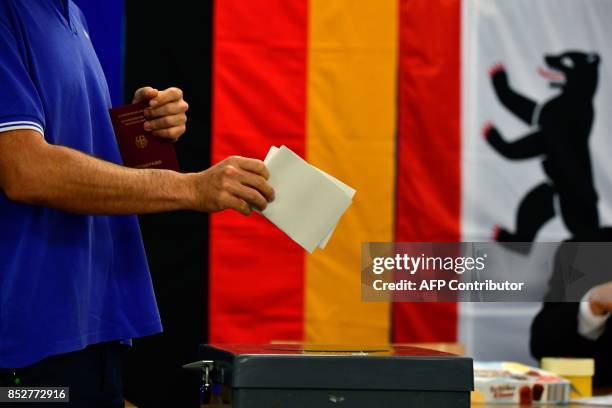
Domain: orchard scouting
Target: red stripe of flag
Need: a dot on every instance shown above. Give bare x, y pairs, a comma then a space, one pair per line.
428, 207
259, 89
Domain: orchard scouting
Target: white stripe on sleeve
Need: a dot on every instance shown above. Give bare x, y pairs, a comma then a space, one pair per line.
18, 125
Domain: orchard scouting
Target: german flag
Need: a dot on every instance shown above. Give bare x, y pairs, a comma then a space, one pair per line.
322, 78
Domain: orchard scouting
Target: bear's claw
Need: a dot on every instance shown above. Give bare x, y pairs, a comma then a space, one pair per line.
486, 129
495, 232
495, 69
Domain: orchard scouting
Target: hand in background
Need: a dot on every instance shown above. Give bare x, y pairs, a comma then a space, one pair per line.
600, 300
166, 112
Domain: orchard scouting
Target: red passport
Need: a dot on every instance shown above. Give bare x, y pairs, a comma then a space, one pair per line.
139, 148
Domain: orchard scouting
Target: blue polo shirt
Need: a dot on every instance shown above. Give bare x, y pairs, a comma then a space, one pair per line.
66, 280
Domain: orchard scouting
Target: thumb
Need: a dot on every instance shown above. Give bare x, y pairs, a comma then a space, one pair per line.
145, 93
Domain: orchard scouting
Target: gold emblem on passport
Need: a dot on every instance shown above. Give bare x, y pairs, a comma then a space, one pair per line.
141, 141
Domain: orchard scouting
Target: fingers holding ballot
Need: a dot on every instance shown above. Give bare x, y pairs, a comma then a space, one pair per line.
302, 201
236, 183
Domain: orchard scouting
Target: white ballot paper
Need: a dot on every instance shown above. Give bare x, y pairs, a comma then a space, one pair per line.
308, 202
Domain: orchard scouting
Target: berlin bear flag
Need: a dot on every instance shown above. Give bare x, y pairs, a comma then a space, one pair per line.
522, 156
537, 97
473, 120
536, 138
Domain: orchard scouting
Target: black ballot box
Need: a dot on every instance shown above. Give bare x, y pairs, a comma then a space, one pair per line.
308, 376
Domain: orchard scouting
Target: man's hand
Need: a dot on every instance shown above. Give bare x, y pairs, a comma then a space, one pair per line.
600, 300
237, 183
166, 112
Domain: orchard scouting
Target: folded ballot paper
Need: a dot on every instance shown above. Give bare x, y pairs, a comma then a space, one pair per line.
308, 202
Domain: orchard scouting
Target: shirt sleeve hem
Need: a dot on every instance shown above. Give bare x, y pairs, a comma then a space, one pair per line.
21, 125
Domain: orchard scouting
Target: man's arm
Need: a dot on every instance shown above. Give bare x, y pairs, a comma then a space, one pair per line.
35, 172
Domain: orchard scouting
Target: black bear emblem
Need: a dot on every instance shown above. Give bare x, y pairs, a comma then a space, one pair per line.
559, 134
